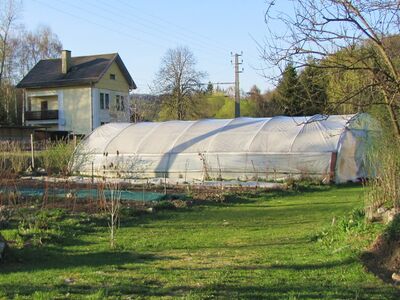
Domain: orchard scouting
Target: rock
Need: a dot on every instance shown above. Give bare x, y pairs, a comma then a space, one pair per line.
396, 277
389, 215
3, 247
372, 215
69, 280
41, 171
381, 210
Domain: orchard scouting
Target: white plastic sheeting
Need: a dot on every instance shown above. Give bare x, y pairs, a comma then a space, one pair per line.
330, 147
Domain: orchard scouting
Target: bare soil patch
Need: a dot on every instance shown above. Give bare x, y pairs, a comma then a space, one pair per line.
383, 257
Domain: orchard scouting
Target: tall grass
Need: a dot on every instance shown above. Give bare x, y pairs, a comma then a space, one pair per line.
15, 158
383, 188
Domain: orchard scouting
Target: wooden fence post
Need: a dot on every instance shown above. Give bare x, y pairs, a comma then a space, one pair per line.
32, 154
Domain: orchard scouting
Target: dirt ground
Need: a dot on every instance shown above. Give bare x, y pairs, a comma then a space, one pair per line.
383, 258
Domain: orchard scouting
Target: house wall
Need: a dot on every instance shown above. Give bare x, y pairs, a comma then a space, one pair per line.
119, 84
112, 114
120, 87
77, 109
73, 104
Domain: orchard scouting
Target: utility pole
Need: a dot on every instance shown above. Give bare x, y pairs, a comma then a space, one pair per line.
237, 86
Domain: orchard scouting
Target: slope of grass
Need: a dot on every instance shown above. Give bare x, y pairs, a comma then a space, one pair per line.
259, 246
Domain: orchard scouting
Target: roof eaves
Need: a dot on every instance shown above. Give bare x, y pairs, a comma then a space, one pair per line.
63, 82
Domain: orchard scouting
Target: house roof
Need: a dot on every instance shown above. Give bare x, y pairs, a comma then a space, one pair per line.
84, 70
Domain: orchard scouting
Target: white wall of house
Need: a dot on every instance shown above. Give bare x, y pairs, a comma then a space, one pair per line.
73, 105
77, 106
117, 110
77, 110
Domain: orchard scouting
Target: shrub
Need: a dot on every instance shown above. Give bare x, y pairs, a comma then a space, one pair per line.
347, 227
393, 229
164, 205
38, 228
56, 157
384, 167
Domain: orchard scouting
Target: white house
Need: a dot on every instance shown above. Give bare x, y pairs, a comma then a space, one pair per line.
77, 94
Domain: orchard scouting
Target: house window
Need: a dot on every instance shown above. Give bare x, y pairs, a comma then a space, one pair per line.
107, 101
117, 102
112, 76
122, 104
101, 100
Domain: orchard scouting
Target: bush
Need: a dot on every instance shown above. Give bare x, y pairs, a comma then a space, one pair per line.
348, 227
393, 229
38, 228
384, 168
164, 205
13, 160
55, 159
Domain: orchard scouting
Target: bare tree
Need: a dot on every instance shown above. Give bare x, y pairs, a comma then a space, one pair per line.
8, 18
20, 50
113, 204
35, 46
8, 21
178, 80
360, 30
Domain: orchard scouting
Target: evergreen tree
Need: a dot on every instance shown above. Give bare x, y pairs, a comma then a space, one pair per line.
313, 82
210, 88
289, 92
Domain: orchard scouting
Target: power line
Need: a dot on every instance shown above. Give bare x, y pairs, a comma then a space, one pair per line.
129, 35
118, 22
97, 24
158, 34
185, 29
161, 29
106, 17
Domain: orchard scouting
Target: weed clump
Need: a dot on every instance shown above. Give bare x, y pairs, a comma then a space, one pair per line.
347, 232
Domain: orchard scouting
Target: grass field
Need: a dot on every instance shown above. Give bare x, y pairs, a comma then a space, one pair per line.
260, 246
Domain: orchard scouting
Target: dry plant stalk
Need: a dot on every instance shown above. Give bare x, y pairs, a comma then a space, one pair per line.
112, 198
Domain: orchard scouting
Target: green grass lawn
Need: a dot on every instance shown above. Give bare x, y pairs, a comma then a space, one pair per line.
257, 247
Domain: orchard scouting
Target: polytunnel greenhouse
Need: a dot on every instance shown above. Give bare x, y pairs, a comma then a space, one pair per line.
329, 147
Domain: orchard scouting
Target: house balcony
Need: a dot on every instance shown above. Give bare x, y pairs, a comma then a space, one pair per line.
41, 115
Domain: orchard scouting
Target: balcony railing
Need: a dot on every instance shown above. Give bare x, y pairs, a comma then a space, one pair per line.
41, 115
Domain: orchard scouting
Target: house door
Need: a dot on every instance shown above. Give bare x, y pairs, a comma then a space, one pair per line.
43, 109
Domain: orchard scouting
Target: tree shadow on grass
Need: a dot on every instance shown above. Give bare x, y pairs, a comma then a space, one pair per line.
78, 290
287, 289
38, 259
294, 290
287, 267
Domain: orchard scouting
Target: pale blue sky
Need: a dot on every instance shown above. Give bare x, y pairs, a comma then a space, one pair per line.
141, 31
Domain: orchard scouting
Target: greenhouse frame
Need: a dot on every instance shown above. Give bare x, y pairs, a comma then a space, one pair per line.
332, 148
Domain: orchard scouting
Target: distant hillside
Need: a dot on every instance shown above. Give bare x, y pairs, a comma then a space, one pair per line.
143, 97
